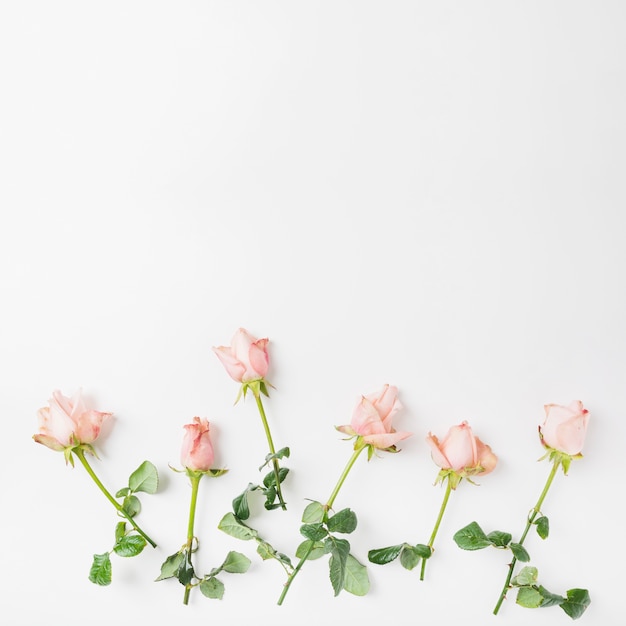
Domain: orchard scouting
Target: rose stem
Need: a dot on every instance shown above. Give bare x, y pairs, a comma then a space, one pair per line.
431, 541
327, 507
531, 518
195, 482
270, 443
81, 457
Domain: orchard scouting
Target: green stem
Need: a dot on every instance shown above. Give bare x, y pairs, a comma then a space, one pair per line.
80, 454
195, 482
531, 518
431, 541
327, 507
270, 443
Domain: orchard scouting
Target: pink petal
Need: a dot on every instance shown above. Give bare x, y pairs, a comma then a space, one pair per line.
235, 368
437, 455
365, 419
259, 359
385, 440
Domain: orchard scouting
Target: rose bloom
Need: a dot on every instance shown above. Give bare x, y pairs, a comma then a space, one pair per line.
246, 358
372, 419
197, 451
462, 452
67, 422
565, 427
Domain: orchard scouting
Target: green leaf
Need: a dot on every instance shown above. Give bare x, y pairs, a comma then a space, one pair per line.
100, 572
122, 492
543, 527
130, 545
337, 570
234, 527
332, 544
499, 538
576, 603
236, 563
265, 550
171, 565
185, 572
317, 550
526, 576
270, 478
212, 588
282, 453
314, 532
131, 505
471, 537
313, 513
382, 556
550, 599
519, 552
342, 522
240, 503
120, 530
410, 557
529, 597
424, 551
144, 478
355, 580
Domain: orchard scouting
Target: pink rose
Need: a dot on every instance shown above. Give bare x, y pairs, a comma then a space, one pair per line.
67, 422
462, 452
246, 359
565, 427
372, 417
197, 451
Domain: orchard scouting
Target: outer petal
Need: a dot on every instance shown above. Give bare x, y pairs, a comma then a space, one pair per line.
235, 368
89, 425
259, 358
571, 434
486, 458
437, 455
385, 440
386, 404
49, 442
55, 423
459, 446
366, 420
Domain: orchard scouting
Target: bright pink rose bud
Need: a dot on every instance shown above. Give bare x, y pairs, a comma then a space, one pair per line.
67, 422
246, 359
197, 451
372, 419
462, 452
565, 427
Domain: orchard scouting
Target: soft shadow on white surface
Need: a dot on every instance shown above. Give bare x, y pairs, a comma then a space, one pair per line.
421, 194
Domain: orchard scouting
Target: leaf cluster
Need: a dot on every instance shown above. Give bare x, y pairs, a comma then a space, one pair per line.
127, 542
235, 527
145, 478
319, 530
532, 595
179, 566
473, 537
410, 556
241, 506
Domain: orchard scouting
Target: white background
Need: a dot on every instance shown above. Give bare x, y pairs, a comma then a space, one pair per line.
427, 194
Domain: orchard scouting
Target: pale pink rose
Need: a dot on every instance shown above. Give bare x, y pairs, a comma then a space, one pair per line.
565, 427
372, 419
246, 358
67, 422
197, 451
462, 452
